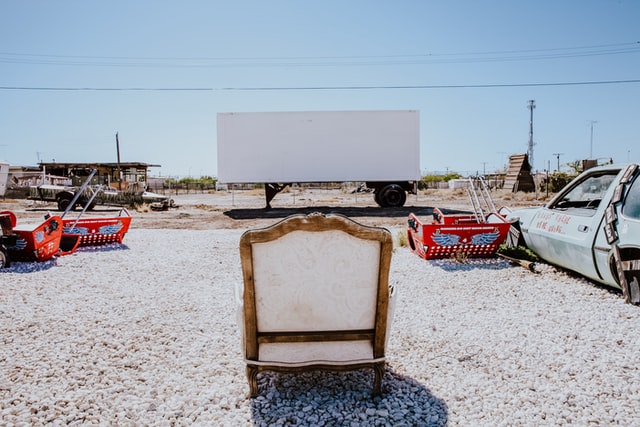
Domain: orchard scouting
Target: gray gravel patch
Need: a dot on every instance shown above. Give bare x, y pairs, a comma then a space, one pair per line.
145, 334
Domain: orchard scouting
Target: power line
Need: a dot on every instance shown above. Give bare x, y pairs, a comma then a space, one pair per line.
635, 44
314, 88
315, 61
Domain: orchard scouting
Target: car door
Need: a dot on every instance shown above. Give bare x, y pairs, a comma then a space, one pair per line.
621, 227
564, 231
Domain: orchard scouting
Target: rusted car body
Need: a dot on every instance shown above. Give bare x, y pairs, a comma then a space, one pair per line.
592, 227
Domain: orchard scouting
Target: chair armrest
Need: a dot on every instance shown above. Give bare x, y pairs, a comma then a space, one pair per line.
238, 293
391, 308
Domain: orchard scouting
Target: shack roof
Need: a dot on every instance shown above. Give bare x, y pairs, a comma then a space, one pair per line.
94, 165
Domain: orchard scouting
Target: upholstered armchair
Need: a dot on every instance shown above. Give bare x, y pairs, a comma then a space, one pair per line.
316, 295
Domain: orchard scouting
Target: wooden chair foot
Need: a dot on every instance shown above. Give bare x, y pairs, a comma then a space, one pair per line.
252, 377
378, 371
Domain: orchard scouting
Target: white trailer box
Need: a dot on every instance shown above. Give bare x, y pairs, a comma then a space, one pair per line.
381, 148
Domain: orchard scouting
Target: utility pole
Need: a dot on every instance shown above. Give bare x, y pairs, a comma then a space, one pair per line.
532, 105
591, 140
503, 165
119, 171
558, 158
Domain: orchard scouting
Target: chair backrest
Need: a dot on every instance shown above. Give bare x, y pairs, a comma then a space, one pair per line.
315, 278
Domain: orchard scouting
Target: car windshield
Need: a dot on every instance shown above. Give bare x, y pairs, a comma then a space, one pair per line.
585, 196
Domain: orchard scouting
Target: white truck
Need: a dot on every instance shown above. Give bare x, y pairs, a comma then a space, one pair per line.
378, 148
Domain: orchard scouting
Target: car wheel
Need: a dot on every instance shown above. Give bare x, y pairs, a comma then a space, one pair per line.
63, 202
628, 280
393, 196
376, 197
4, 258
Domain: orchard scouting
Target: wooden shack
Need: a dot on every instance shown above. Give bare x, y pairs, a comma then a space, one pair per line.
117, 175
519, 176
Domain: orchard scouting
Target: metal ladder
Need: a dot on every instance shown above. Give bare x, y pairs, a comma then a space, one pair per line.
480, 198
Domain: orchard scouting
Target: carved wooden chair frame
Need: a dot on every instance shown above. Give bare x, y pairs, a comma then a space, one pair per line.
253, 338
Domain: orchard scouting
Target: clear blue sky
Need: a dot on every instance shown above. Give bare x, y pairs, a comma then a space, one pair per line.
471, 67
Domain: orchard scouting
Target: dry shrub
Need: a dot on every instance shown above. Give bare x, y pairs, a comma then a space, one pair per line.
144, 208
460, 256
206, 207
402, 239
504, 195
254, 192
518, 252
530, 197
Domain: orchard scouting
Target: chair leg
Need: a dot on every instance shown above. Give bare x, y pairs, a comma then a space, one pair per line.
252, 377
378, 371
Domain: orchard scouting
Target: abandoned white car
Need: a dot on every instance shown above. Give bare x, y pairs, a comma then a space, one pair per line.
592, 227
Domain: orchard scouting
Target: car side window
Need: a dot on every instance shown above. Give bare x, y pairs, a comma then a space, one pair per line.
587, 194
631, 206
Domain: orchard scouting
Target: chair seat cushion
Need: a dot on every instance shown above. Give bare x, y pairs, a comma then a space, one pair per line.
329, 352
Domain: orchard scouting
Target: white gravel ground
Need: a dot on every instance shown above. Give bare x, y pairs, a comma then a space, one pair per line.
145, 334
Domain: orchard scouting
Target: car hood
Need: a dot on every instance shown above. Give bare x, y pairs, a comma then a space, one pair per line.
524, 216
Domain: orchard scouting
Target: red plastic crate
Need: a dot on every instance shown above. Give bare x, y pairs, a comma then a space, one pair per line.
33, 242
458, 234
98, 231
